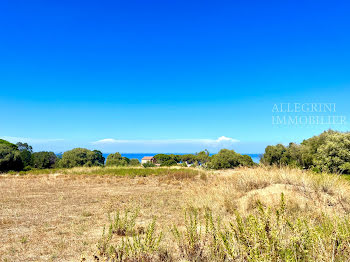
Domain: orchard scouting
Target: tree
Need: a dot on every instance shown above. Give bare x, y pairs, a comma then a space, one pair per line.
188, 158
224, 159
170, 162
246, 160
177, 158
10, 158
116, 159
160, 158
203, 156
134, 162
25, 153
98, 158
274, 155
44, 159
327, 152
334, 153
229, 159
148, 164
24, 146
80, 157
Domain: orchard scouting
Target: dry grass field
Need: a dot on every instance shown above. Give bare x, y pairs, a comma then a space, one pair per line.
60, 216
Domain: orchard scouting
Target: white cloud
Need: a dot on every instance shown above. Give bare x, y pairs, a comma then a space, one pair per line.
105, 141
226, 139
165, 145
111, 141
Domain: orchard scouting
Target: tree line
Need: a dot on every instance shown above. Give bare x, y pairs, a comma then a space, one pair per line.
327, 152
20, 156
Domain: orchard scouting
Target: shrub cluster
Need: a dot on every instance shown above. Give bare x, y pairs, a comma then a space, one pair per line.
81, 157
10, 157
200, 158
116, 159
327, 152
224, 159
229, 159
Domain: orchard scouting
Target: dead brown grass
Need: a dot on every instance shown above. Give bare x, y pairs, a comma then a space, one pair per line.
59, 217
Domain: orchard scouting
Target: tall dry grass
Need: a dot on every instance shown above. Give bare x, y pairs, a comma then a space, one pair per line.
229, 215
260, 214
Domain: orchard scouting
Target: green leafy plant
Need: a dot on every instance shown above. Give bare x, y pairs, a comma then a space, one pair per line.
148, 164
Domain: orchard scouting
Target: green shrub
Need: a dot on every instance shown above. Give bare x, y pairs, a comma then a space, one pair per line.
170, 162
333, 155
98, 158
202, 157
229, 159
25, 153
134, 162
160, 158
246, 160
177, 158
148, 164
116, 159
188, 158
124, 225
43, 159
10, 157
81, 157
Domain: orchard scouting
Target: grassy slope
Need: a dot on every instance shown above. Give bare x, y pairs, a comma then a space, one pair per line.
61, 216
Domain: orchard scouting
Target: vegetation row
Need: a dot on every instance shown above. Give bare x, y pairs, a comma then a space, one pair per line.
327, 152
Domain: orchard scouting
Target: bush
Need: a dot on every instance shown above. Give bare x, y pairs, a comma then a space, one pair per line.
280, 155
177, 158
229, 159
148, 164
98, 158
188, 158
25, 153
81, 157
333, 155
10, 158
134, 162
170, 162
160, 158
116, 159
43, 160
246, 160
202, 157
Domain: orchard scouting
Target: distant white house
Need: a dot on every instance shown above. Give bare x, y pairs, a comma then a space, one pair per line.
146, 159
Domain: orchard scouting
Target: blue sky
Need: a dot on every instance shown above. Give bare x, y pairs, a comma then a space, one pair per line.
161, 76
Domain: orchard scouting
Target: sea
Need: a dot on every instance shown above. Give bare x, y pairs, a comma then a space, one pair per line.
139, 156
